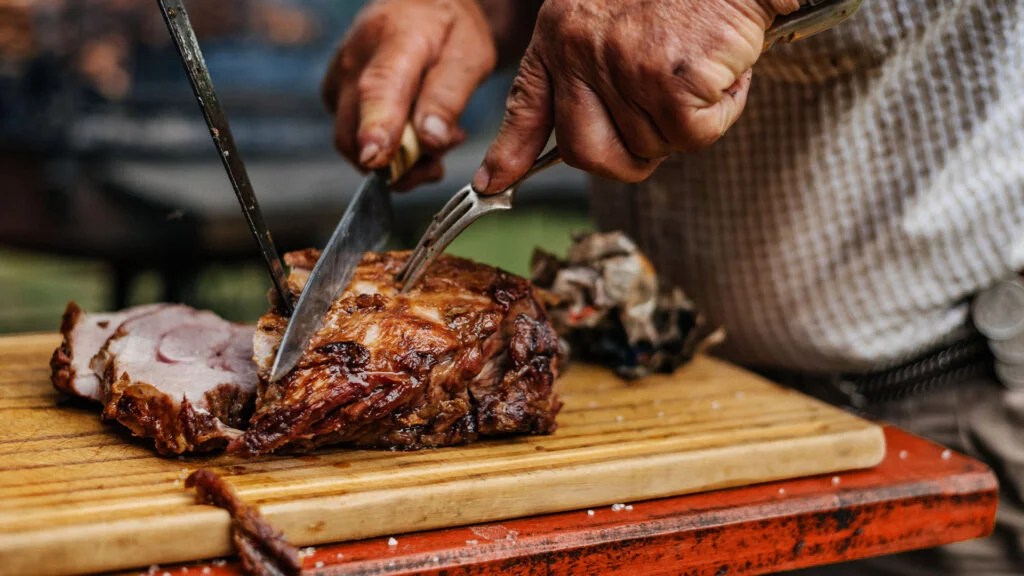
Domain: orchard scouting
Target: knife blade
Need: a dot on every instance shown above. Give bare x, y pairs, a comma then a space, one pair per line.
180, 27
364, 227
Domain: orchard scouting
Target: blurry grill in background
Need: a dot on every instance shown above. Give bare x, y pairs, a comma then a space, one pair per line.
112, 192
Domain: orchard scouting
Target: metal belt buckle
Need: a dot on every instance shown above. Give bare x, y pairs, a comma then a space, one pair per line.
998, 313
814, 16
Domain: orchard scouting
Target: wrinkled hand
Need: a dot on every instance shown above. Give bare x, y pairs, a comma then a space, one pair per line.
402, 60
625, 83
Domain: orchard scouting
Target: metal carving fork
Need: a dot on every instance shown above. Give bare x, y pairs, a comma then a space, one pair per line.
467, 206
462, 210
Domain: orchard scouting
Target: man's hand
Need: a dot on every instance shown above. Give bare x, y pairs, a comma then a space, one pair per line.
625, 83
402, 60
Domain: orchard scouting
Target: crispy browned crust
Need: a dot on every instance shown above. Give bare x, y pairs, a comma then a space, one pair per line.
263, 549
62, 375
302, 258
419, 386
150, 413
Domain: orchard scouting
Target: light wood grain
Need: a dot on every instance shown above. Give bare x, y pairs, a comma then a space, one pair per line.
80, 496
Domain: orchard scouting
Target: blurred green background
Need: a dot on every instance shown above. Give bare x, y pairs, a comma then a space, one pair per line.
34, 287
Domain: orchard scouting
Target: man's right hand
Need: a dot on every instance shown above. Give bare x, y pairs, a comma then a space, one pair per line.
417, 60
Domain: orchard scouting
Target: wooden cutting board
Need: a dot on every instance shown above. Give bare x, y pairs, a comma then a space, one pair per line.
77, 495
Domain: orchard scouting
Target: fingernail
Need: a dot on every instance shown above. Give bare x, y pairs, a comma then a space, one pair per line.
436, 128
368, 153
481, 179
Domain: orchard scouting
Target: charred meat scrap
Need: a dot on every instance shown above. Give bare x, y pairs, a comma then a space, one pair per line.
611, 307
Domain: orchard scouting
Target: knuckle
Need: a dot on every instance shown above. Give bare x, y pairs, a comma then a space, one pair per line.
698, 133
581, 156
644, 148
528, 84
372, 83
509, 163
639, 173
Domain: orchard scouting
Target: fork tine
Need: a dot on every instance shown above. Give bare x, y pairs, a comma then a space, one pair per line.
465, 207
447, 235
434, 229
433, 242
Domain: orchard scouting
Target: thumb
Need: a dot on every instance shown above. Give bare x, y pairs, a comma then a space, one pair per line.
529, 119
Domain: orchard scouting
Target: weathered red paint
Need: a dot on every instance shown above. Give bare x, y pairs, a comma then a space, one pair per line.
916, 501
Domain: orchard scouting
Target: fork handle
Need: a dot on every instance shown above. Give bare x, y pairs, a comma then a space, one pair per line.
550, 158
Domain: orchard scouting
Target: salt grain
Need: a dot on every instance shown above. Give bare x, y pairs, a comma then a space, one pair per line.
339, 555
715, 405
471, 542
511, 536
628, 508
319, 564
592, 404
782, 491
392, 541
904, 454
153, 568
835, 480
166, 574
661, 414
220, 562
206, 569
619, 418
435, 559
306, 552
740, 395
590, 512
946, 454
618, 507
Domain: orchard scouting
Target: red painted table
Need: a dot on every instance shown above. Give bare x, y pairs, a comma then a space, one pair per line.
920, 496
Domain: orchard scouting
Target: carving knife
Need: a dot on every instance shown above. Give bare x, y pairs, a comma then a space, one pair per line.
364, 227
180, 27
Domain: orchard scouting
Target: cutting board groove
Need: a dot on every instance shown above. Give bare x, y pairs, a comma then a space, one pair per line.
69, 483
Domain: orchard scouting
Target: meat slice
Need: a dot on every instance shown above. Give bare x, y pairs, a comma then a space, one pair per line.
84, 335
182, 377
468, 352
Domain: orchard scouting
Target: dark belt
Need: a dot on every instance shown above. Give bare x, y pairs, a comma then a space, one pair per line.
961, 359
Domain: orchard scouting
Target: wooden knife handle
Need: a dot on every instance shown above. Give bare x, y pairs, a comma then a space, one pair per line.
408, 153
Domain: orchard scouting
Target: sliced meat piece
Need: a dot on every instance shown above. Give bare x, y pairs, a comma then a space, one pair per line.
182, 377
84, 335
468, 352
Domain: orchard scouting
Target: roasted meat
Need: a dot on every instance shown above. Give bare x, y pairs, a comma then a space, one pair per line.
182, 377
84, 335
468, 352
